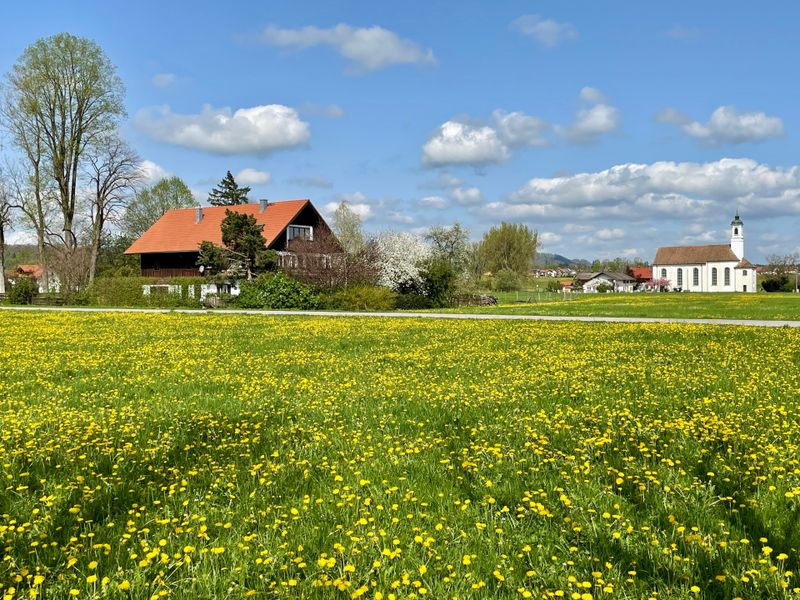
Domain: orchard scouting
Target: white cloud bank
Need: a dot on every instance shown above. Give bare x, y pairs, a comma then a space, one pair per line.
367, 48
254, 130
665, 190
546, 32
725, 126
152, 172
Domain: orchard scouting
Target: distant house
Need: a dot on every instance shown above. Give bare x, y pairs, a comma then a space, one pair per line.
170, 247
713, 268
617, 282
643, 277
37, 273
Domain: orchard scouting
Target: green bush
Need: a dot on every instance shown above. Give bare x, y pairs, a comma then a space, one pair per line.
360, 297
603, 288
277, 290
128, 291
412, 302
554, 285
24, 290
438, 282
506, 280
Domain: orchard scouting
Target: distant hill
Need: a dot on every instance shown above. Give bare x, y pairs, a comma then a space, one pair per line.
20, 254
544, 259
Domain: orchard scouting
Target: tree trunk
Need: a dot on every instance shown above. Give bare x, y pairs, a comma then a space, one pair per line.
2, 258
97, 232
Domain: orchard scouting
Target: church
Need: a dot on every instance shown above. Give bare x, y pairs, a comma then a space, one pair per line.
714, 268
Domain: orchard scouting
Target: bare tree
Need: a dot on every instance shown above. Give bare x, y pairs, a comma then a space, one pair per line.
64, 94
27, 181
323, 263
5, 223
113, 171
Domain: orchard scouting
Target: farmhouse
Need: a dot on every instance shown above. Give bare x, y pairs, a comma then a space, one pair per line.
37, 272
617, 282
170, 247
713, 268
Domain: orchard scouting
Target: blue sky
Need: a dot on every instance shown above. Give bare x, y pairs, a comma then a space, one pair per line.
610, 127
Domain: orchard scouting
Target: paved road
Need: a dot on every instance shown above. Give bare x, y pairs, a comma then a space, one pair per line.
418, 315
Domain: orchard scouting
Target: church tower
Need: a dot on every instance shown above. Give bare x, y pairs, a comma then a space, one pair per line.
737, 236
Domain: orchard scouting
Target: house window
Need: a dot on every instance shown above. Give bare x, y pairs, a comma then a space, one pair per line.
714, 276
727, 275
303, 232
680, 277
663, 273
696, 277
744, 272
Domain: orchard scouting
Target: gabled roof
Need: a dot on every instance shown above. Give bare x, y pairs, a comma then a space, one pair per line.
745, 264
610, 274
178, 231
694, 255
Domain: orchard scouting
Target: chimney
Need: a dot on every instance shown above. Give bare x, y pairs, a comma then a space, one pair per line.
198, 214
262, 204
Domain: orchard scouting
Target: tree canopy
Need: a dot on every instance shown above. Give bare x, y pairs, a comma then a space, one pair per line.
509, 247
150, 204
228, 193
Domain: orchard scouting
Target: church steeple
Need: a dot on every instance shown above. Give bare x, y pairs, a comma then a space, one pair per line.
737, 236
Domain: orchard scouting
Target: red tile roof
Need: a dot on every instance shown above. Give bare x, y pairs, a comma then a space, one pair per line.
34, 271
177, 230
641, 273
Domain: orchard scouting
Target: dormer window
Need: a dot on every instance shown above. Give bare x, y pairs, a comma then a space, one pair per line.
303, 232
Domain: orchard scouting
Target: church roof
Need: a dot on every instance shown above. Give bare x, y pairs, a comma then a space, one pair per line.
694, 255
745, 264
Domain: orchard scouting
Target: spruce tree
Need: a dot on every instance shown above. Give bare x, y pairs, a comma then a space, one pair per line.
228, 193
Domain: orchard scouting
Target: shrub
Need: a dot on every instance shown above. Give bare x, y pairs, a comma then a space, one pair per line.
603, 288
438, 281
277, 290
361, 297
128, 291
506, 280
24, 290
412, 301
554, 285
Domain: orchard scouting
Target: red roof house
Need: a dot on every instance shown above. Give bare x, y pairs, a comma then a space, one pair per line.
171, 246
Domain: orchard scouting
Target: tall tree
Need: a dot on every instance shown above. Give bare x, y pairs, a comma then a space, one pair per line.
28, 179
65, 87
346, 226
510, 247
450, 244
5, 223
228, 193
150, 204
113, 172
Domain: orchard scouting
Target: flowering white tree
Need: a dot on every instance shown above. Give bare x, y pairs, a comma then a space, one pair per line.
400, 255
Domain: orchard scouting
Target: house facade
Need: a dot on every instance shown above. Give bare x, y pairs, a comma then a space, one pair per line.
170, 248
617, 282
710, 268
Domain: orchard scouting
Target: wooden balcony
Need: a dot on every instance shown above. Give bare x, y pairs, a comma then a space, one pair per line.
167, 273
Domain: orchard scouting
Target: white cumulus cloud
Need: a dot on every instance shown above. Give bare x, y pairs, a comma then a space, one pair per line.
592, 121
470, 142
455, 143
368, 48
466, 196
726, 126
546, 32
434, 202
152, 172
250, 176
164, 80
254, 130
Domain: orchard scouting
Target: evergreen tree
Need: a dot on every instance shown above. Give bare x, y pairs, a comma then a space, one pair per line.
228, 193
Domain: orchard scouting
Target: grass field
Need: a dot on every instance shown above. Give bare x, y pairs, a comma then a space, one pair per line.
671, 305
232, 456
